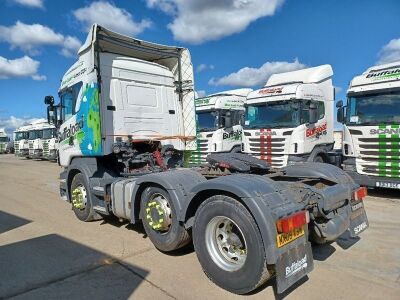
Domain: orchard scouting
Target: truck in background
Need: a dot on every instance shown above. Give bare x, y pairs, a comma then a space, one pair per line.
219, 119
4, 141
371, 131
50, 143
21, 141
127, 125
290, 120
40, 133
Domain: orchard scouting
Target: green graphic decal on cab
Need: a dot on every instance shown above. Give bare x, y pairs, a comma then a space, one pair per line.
389, 144
86, 131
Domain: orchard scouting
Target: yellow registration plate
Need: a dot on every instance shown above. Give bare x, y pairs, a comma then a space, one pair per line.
284, 238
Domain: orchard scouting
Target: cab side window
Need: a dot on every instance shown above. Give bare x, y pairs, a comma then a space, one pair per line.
321, 110
69, 97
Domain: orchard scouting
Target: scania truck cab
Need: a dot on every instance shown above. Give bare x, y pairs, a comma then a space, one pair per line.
290, 119
126, 129
371, 120
50, 143
219, 119
4, 140
21, 141
36, 137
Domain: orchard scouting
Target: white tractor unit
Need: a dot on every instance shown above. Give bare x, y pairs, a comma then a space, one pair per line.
127, 128
40, 132
219, 123
50, 143
291, 118
4, 141
371, 127
21, 141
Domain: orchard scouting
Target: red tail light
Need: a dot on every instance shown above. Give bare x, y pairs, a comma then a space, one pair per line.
292, 222
360, 193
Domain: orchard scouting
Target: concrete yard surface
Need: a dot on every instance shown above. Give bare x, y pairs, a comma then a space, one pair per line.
47, 253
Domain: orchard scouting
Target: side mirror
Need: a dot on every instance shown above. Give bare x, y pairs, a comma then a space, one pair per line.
339, 104
49, 100
313, 113
340, 115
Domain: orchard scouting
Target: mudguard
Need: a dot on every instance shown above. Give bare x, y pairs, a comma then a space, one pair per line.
264, 198
178, 183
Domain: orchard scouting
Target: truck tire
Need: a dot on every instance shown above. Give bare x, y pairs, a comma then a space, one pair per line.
229, 246
81, 199
160, 221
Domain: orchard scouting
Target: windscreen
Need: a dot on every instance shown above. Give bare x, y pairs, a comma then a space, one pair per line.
21, 135
48, 133
3, 139
277, 114
374, 109
207, 121
35, 134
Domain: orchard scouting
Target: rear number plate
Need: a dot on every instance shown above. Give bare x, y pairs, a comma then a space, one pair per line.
284, 238
389, 185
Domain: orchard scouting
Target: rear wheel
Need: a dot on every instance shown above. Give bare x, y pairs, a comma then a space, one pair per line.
228, 245
81, 199
160, 221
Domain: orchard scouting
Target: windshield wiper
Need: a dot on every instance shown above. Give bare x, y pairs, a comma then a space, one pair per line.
206, 129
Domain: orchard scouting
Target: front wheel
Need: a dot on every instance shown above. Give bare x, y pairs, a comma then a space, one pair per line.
160, 221
81, 201
228, 245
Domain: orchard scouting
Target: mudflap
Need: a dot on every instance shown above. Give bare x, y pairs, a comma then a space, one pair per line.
358, 219
293, 265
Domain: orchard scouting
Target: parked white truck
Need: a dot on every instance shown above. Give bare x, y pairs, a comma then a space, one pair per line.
40, 133
219, 123
50, 143
371, 131
4, 141
21, 141
127, 125
291, 118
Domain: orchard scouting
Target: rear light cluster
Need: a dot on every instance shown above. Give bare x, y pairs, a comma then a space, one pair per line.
297, 220
360, 193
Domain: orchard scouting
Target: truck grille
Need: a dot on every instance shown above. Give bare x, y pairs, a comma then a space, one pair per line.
378, 156
2, 147
46, 150
16, 147
199, 155
269, 148
30, 148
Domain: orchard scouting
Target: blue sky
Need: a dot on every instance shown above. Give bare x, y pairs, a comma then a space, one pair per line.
234, 43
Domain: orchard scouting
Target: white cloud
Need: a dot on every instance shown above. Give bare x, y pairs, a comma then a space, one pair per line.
196, 21
201, 93
20, 67
203, 67
30, 37
111, 17
390, 52
250, 77
30, 3
10, 124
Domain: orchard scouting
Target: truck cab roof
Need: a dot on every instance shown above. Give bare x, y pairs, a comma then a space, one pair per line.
232, 99
302, 84
380, 77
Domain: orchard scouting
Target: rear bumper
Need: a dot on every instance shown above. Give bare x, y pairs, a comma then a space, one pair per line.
349, 166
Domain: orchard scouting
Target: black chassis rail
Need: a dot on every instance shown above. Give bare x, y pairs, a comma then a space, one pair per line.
266, 199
